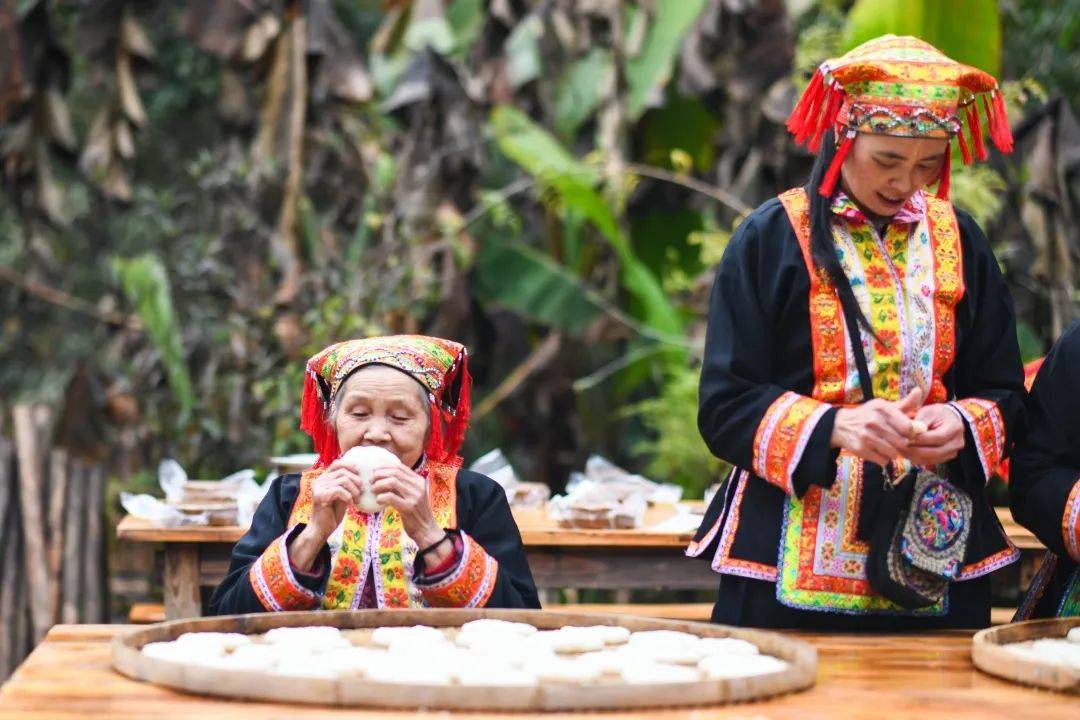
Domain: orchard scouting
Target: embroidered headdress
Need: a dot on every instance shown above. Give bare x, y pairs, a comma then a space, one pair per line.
900, 86
440, 366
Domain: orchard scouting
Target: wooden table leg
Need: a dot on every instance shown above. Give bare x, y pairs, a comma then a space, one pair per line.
182, 599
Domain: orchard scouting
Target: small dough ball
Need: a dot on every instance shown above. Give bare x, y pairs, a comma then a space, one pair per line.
918, 427
366, 459
642, 673
1074, 635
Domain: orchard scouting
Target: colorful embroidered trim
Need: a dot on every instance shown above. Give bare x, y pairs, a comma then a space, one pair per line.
1070, 522
723, 562
1070, 601
988, 428
470, 585
695, 548
782, 435
272, 579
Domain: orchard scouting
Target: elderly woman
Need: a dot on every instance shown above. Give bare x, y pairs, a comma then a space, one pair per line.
861, 341
444, 537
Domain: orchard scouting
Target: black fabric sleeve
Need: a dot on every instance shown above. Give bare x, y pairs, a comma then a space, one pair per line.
738, 379
987, 363
1046, 463
235, 594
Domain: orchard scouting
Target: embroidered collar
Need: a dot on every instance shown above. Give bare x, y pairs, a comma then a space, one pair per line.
912, 212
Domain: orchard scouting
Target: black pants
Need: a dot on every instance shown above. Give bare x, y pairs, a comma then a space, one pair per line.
752, 603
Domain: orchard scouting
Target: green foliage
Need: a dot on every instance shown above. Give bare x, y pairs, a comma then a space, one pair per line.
577, 94
144, 281
979, 190
1042, 40
518, 277
650, 69
541, 155
975, 40
675, 449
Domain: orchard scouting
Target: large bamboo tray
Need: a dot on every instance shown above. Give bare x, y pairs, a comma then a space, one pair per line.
989, 656
128, 659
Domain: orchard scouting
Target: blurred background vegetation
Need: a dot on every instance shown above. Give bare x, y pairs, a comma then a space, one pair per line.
200, 194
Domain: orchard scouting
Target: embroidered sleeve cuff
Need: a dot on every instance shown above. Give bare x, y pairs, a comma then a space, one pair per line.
782, 436
988, 430
468, 585
1070, 522
274, 582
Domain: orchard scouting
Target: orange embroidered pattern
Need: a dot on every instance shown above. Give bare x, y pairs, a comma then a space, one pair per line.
988, 428
272, 579
782, 435
949, 289
471, 584
1070, 522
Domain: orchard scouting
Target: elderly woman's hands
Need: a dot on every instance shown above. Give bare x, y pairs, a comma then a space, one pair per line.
331, 495
405, 490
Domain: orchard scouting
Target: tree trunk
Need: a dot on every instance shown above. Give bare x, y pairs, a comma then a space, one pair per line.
71, 567
58, 477
94, 600
28, 445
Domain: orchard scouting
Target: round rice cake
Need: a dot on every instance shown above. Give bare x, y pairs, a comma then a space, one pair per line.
1074, 635
571, 639
496, 627
727, 646
311, 636
644, 673
222, 640
175, 652
413, 634
722, 667
561, 670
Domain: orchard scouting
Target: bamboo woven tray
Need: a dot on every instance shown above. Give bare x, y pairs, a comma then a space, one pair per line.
128, 659
989, 656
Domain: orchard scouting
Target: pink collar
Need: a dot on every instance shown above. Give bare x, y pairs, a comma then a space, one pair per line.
913, 210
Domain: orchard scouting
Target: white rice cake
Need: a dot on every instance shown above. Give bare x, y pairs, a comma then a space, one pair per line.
223, 641
572, 639
611, 634
643, 673
496, 627
727, 646
413, 634
1074, 635
175, 652
561, 670
492, 674
312, 636
410, 671
721, 667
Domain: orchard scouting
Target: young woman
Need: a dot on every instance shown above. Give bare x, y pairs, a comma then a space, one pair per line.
782, 397
445, 536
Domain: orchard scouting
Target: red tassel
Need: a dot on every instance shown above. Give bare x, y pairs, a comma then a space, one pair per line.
946, 171
455, 433
828, 183
807, 122
975, 126
1000, 132
828, 117
810, 99
313, 421
965, 151
436, 447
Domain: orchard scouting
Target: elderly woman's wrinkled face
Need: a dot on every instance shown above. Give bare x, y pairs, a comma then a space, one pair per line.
378, 405
882, 171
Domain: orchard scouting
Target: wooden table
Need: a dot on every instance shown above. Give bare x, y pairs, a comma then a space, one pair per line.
864, 677
197, 557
